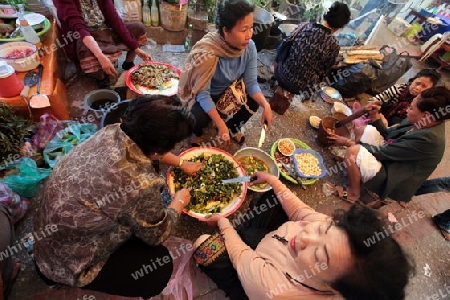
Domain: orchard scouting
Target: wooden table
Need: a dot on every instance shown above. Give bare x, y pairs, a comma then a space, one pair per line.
51, 84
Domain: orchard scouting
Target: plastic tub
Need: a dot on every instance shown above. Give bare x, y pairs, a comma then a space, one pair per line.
20, 64
101, 100
114, 113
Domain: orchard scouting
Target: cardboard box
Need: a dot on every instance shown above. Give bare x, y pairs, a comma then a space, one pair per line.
399, 26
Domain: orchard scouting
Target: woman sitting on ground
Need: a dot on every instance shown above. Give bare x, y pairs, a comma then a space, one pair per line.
396, 99
289, 251
96, 36
214, 63
105, 200
313, 53
412, 150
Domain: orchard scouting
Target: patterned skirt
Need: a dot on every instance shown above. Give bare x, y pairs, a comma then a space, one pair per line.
110, 43
210, 250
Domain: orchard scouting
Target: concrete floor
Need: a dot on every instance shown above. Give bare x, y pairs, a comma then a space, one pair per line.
420, 238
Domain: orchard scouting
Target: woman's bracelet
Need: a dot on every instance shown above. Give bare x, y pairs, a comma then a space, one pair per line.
347, 142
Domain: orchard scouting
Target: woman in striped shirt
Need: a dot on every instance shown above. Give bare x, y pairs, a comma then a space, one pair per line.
396, 99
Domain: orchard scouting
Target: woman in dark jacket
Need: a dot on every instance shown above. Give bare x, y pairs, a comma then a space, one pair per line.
313, 53
412, 151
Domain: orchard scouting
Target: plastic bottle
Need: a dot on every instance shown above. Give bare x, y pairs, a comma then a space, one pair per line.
188, 40
154, 14
146, 15
28, 31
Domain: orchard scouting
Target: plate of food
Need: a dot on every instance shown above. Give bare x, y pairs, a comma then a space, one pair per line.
253, 160
309, 163
276, 154
153, 78
209, 194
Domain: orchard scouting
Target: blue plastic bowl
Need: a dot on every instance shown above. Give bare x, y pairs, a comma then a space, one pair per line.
319, 158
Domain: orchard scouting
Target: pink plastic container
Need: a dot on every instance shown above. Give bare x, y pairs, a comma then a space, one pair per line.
10, 84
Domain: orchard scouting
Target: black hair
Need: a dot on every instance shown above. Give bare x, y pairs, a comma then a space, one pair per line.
156, 123
338, 15
230, 12
381, 270
436, 101
432, 74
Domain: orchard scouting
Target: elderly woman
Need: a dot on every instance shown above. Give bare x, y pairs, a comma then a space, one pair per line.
314, 51
214, 64
289, 251
396, 99
95, 37
412, 150
104, 202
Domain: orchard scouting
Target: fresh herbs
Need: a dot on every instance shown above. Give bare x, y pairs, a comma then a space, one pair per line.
209, 194
13, 130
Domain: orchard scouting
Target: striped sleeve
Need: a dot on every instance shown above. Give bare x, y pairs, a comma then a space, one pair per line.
391, 94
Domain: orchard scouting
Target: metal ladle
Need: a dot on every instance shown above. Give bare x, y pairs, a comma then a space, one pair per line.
39, 100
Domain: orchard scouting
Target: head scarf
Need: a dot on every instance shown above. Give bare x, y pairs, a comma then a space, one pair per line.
201, 63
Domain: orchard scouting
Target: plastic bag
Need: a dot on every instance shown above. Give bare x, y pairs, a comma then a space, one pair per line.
394, 66
180, 282
16, 205
26, 181
65, 140
49, 125
359, 80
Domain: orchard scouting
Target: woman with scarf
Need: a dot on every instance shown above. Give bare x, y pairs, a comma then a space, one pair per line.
396, 99
214, 63
102, 36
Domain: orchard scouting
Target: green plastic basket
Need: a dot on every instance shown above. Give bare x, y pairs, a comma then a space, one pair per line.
298, 144
41, 34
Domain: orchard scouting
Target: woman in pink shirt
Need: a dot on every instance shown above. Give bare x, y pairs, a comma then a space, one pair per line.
288, 251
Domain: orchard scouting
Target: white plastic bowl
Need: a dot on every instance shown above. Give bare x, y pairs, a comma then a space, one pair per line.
24, 64
341, 108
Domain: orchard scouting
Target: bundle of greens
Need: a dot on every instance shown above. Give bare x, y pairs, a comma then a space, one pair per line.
13, 130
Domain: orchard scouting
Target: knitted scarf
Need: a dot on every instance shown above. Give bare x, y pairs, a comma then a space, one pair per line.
200, 65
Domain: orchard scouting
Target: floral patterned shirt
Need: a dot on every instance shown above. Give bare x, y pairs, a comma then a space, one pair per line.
100, 194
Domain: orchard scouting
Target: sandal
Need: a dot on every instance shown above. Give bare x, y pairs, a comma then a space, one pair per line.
343, 194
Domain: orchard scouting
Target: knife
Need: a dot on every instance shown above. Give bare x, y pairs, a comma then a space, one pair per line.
238, 179
293, 174
262, 137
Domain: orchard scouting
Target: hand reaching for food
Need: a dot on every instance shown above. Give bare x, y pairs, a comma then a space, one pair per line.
143, 55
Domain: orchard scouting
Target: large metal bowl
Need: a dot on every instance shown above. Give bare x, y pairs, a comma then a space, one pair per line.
265, 157
330, 94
